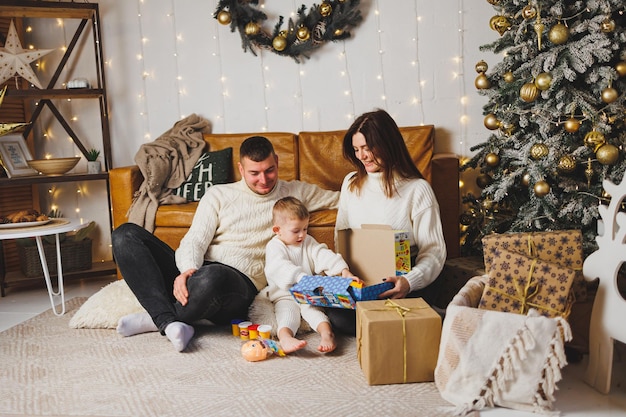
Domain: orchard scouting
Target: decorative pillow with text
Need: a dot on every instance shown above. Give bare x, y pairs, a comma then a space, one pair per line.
211, 168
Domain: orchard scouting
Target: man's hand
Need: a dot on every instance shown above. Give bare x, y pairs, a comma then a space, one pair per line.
400, 290
180, 286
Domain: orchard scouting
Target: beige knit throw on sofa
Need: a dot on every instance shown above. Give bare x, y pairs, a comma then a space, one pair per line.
489, 358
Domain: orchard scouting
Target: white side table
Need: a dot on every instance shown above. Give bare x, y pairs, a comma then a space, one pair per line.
55, 227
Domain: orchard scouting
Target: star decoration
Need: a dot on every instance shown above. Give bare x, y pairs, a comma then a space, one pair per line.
16, 60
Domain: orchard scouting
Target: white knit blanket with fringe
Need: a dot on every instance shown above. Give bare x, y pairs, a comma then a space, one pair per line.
491, 358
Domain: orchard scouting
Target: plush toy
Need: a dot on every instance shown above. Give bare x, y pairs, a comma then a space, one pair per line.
260, 349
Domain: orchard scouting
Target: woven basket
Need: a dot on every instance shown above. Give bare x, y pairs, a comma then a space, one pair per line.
75, 256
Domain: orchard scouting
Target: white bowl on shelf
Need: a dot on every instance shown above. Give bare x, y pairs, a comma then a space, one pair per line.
53, 166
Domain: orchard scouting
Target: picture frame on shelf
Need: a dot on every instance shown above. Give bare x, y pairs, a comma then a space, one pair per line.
15, 156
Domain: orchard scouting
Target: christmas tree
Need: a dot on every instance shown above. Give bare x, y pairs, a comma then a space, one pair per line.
556, 118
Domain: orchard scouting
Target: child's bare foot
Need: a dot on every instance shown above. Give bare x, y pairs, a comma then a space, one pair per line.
327, 343
288, 342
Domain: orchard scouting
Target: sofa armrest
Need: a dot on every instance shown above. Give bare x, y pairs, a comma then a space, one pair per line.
445, 183
124, 182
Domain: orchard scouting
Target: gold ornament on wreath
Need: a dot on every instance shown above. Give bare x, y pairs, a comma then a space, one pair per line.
329, 21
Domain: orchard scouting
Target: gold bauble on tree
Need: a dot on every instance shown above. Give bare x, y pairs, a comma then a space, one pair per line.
507, 128
508, 77
500, 24
572, 125
279, 42
481, 66
543, 81
492, 159
620, 67
224, 17
525, 179
609, 95
539, 150
594, 139
494, 2
529, 12
558, 34
541, 188
482, 82
607, 25
607, 154
491, 122
252, 28
529, 92
567, 164
483, 180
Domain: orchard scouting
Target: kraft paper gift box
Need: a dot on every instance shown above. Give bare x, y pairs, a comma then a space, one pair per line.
375, 251
562, 247
517, 283
397, 340
337, 292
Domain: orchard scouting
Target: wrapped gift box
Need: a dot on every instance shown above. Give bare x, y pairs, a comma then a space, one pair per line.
518, 282
397, 340
562, 247
337, 292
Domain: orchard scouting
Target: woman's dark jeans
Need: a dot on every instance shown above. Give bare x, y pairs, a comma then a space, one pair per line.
217, 292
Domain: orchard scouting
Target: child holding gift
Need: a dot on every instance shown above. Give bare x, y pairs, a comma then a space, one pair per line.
290, 255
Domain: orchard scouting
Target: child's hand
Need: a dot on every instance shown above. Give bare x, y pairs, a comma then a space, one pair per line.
347, 274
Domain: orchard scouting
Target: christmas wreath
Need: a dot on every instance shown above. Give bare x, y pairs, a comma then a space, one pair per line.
329, 21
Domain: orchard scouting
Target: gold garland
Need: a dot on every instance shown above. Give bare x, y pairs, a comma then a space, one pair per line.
329, 21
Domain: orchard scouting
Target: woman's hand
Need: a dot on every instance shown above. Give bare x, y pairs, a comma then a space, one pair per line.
400, 289
180, 286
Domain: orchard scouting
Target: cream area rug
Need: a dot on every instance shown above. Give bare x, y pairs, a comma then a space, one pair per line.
50, 369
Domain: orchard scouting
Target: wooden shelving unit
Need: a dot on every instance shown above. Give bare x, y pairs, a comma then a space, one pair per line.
39, 99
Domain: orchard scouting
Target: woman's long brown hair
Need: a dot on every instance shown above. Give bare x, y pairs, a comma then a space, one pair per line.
386, 143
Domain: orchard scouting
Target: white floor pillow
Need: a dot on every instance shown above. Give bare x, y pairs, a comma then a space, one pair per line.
104, 309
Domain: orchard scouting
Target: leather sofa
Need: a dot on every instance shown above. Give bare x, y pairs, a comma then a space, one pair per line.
315, 157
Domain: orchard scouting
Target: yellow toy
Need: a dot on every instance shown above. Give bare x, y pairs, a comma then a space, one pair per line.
260, 349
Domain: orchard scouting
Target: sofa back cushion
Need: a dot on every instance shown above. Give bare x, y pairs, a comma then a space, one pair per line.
285, 146
321, 161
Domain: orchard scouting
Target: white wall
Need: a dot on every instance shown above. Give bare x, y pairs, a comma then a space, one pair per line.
166, 59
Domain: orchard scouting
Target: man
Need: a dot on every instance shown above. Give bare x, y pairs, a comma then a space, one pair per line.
218, 268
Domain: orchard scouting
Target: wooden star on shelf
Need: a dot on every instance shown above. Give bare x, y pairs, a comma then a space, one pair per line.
16, 60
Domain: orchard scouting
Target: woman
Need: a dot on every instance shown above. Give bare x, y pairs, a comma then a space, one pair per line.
387, 188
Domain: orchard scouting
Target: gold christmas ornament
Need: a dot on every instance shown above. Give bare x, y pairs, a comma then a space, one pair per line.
508, 77
500, 24
572, 125
279, 42
492, 159
507, 128
541, 188
338, 32
483, 180
482, 82
539, 28
481, 66
529, 12
589, 173
494, 2
539, 150
529, 92
567, 164
607, 25
525, 179
303, 33
491, 122
543, 81
252, 28
607, 154
594, 139
558, 34
620, 67
609, 95
326, 9
224, 17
